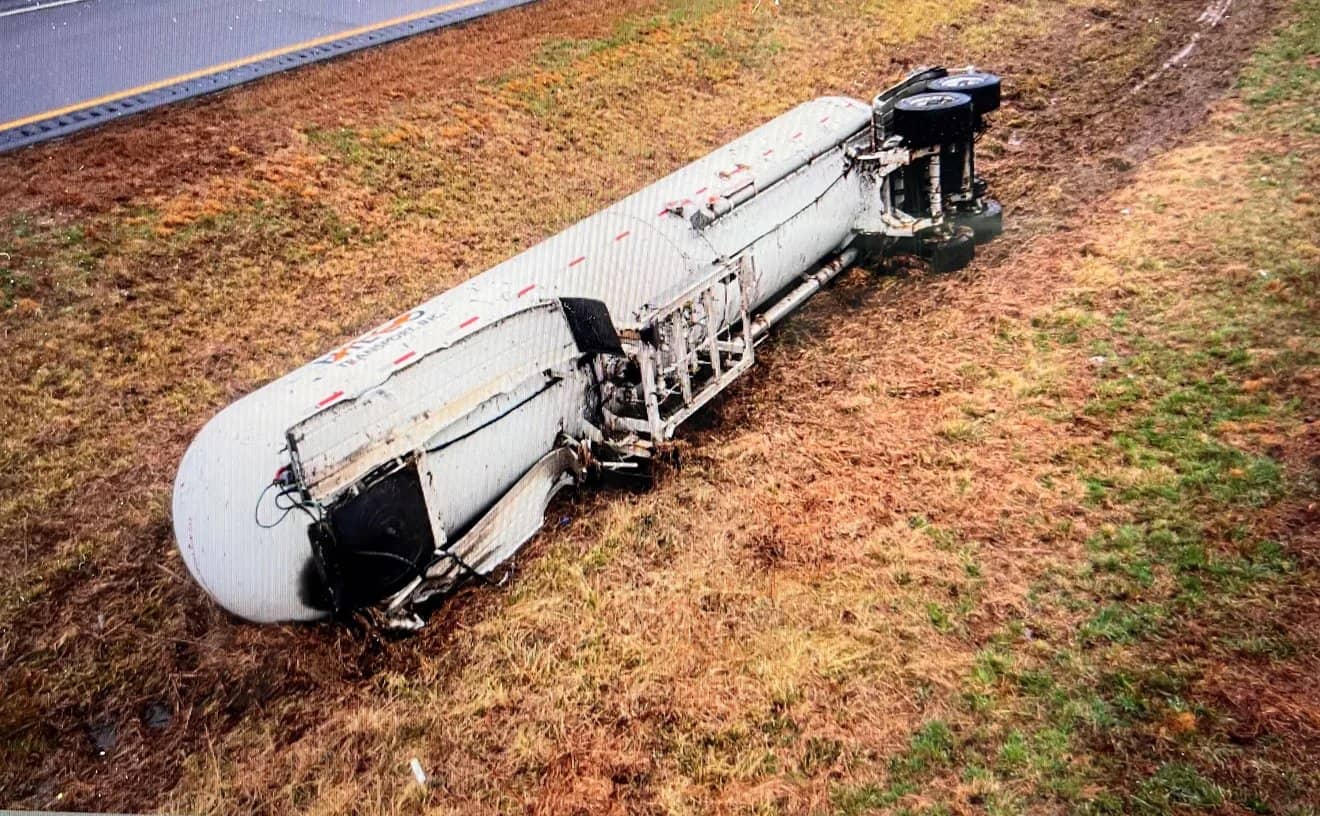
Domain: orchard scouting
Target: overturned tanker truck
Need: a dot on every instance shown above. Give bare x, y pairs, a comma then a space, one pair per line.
424, 453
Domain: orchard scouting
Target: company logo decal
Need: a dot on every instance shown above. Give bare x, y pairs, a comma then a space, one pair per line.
378, 338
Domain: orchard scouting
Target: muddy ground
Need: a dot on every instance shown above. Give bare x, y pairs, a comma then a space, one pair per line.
118, 671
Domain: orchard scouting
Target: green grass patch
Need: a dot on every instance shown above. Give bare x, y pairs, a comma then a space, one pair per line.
1282, 81
1103, 716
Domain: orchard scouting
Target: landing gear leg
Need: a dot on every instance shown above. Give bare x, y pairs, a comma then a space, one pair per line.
949, 252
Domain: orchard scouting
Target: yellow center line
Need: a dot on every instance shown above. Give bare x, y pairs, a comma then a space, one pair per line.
238, 63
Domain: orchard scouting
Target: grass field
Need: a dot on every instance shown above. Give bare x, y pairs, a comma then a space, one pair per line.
1040, 537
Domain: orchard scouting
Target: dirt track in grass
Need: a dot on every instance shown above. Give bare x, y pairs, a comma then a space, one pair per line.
352, 189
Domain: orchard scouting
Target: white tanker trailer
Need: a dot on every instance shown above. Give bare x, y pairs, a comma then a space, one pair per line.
425, 452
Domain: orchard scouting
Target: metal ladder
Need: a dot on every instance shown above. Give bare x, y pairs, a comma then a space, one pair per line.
687, 350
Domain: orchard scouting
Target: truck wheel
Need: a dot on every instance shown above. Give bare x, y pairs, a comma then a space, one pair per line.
951, 253
986, 224
983, 88
929, 119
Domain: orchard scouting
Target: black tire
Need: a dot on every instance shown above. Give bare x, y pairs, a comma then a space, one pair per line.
983, 88
929, 119
986, 224
949, 254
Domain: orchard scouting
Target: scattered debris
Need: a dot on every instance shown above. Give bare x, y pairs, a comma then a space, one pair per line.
157, 717
418, 774
104, 736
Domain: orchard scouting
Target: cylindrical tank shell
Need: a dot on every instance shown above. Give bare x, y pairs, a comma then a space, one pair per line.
628, 256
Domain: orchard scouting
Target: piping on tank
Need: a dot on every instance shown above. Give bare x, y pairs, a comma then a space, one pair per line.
424, 453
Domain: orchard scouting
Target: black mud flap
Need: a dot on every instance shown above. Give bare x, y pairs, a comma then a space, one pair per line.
593, 329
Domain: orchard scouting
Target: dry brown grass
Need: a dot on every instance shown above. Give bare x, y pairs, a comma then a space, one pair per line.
865, 538
760, 629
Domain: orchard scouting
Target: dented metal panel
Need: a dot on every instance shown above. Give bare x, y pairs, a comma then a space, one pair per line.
415, 404
468, 474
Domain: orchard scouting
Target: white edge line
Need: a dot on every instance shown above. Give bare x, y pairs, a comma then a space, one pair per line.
40, 7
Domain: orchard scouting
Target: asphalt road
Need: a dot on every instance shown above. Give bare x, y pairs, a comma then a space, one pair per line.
60, 56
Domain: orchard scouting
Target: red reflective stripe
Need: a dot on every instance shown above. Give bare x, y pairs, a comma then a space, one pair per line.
405, 357
526, 289
329, 399
576, 261
623, 235
702, 190
468, 322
